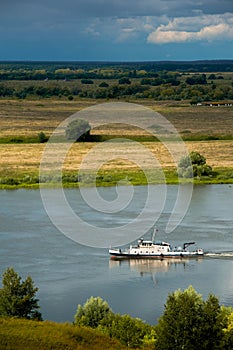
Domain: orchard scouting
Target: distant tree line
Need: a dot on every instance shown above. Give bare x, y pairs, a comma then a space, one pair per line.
196, 88
39, 70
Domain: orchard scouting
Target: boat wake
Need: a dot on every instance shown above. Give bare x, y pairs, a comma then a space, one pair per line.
218, 255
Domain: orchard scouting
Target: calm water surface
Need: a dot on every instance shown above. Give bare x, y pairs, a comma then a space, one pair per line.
68, 273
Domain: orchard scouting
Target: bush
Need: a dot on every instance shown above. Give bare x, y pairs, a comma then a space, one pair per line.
103, 84
42, 137
78, 130
194, 165
92, 312
124, 80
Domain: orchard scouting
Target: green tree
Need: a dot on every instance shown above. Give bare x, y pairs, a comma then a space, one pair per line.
92, 313
78, 130
131, 332
190, 323
103, 84
193, 165
124, 80
42, 137
17, 298
228, 332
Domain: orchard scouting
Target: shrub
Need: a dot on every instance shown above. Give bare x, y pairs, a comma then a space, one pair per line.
78, 130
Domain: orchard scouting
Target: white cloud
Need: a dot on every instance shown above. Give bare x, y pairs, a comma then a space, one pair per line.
180, 30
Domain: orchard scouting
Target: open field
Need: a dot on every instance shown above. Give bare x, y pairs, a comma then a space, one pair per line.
27, 157
19, 162
22, 161
29, 117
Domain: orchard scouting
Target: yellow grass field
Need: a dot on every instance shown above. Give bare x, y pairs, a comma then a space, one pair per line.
26, 158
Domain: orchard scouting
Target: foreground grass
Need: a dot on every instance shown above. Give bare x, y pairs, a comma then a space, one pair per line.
16, 334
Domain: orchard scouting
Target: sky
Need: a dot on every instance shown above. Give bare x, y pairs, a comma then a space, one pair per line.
116, 30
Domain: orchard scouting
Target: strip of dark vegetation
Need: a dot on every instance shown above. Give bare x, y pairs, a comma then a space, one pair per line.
151, 66
102, 138
194, 81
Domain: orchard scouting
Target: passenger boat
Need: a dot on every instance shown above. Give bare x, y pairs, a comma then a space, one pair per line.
161, 250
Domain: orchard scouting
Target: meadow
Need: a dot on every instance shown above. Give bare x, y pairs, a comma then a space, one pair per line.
207, 130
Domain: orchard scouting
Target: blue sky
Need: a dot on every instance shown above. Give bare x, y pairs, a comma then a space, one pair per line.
116, 30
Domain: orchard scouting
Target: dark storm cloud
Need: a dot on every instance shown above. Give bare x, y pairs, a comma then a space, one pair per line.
143, 8
44, 28
121, 8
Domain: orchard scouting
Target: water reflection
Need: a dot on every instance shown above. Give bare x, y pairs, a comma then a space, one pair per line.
152, 266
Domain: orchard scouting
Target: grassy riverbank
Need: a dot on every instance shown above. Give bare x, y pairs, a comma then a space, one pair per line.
110, 178
20, 334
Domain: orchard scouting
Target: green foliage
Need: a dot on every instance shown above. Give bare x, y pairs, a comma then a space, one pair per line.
103, 84
197, 79
228, 332
87, 81
17, 298
92, 312
44, 80
132, 332
124, 80
190, 323
42, 137
78, 130
193, 165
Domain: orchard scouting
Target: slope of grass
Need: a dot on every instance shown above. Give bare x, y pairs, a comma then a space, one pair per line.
19, 334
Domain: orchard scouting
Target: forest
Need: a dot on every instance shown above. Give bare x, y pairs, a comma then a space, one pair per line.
196, 81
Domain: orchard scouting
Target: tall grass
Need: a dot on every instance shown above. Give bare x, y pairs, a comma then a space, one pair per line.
19, 334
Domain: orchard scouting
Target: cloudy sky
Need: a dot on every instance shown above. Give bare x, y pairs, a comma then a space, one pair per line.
116, 30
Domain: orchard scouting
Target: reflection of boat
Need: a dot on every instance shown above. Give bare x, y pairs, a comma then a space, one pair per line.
148, 249
152, 266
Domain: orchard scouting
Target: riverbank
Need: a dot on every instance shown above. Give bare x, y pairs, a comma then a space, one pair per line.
110, 178
20, 164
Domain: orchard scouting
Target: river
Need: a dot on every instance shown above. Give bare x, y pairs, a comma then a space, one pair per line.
67, 273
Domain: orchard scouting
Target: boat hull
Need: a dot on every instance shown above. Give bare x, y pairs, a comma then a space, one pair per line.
126, 255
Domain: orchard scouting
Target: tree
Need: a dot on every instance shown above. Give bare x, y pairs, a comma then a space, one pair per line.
103, 84
42, 137
228, 332
132, 332
124, 80
78, 130
92, 313
193, 165
17, 298
190, 323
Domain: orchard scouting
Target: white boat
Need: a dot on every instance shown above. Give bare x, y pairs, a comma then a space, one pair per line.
161, 250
